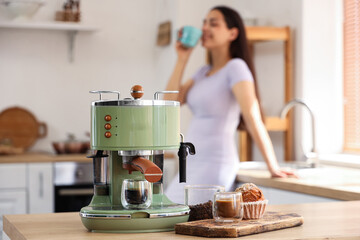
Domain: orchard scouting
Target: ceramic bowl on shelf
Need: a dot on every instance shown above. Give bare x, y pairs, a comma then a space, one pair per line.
17, 9
74, 147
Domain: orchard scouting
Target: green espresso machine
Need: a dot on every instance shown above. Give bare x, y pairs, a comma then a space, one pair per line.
129, 137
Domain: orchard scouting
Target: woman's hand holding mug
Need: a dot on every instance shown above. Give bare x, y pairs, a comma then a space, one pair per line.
188, 37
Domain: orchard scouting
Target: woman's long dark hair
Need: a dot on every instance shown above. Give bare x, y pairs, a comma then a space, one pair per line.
239, 48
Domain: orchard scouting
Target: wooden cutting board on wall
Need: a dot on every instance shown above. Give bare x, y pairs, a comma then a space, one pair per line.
269, 222
20, 127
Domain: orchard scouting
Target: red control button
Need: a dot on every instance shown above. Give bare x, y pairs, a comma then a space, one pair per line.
107, 118
108, 134
107, 126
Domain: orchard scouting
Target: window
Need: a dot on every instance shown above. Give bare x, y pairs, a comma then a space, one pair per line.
352, 75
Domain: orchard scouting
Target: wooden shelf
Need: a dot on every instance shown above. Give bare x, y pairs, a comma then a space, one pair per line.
258, 34
275, 124
70, 28
262, 34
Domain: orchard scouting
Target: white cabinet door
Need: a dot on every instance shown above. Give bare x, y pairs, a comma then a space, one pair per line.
11, 202
40, 187
13, 176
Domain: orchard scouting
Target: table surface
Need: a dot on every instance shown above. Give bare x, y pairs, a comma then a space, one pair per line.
334, 220
328, 181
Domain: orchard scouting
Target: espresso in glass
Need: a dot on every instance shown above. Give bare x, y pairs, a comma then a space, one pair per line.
136, 194
227, 207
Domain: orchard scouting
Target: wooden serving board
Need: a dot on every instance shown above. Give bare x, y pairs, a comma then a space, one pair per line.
269, 222
20, 127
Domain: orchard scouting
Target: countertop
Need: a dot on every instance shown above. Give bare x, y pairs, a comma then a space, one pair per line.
335, 220
39, 157
326, 181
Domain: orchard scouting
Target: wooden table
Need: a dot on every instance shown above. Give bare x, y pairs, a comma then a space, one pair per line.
331, 182
334, 220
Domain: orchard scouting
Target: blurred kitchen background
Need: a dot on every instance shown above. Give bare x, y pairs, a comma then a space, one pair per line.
121, 51
49, 70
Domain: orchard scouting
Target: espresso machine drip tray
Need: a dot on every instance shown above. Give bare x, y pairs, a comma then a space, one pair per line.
151, 212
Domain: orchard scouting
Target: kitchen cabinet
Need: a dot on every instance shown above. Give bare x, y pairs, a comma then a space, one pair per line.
13, 176
262, 34
13, 195
40, 187
26, 188
11, 202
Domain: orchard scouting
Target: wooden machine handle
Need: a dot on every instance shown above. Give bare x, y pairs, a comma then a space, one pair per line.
150, 170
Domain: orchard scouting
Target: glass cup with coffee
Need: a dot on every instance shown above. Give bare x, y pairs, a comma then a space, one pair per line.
228, 207
136, 194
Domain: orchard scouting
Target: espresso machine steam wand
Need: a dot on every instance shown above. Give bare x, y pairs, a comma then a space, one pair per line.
184, 146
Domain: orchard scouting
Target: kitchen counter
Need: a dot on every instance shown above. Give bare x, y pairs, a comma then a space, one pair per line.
39, 157
43, 157
326, 181
335, 220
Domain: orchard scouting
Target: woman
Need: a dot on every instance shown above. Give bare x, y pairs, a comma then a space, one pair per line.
217, 94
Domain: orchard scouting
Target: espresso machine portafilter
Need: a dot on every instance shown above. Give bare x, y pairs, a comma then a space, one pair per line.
129, 137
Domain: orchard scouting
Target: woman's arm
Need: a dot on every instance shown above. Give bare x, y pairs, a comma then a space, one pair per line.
244, 92
174, 83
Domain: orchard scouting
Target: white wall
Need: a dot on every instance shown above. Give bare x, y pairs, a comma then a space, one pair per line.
35, 72
321, 82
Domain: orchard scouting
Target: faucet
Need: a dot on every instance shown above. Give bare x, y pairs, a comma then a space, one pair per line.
312, 156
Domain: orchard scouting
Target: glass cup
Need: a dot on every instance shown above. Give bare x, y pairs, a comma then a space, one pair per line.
200, 199
202, 193
189, 36
136, 194
228, 207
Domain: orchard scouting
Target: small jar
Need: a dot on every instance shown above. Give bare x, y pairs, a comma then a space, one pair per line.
202, 193
136, 194
199, 199
228, 207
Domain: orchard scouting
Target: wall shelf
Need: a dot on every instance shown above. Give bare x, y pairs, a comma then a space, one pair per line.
276, 124
259, 34
72, 29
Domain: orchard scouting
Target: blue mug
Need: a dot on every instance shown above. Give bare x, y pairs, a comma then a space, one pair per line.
190, 36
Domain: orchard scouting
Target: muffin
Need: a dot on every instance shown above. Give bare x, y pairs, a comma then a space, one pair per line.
254, 201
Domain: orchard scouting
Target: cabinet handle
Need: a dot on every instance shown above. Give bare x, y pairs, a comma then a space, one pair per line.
41, 185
